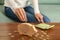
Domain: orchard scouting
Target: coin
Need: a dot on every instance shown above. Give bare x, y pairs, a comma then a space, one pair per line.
12, 36
9, 33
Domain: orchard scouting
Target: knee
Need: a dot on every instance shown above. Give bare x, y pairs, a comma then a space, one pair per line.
46, 19
31, 18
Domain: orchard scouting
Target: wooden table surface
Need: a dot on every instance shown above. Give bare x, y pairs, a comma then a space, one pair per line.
8, 31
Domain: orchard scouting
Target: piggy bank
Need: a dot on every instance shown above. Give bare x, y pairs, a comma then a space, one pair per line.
26, 29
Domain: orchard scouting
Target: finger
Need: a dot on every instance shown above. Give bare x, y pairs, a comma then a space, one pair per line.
38, 19
24, 15
19, 15
42, 21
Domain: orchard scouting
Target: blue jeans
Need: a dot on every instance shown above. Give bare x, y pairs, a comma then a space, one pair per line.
29, 13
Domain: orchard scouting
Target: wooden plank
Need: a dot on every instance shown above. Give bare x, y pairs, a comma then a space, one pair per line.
9, 32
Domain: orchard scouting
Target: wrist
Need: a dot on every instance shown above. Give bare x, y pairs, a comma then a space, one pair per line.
37, 12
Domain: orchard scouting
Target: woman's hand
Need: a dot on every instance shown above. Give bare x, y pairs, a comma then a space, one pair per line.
39, 17
21, 14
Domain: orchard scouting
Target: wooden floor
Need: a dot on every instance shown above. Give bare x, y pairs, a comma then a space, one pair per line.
8, 31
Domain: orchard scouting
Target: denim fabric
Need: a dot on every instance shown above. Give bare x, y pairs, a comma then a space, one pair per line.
29, 13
